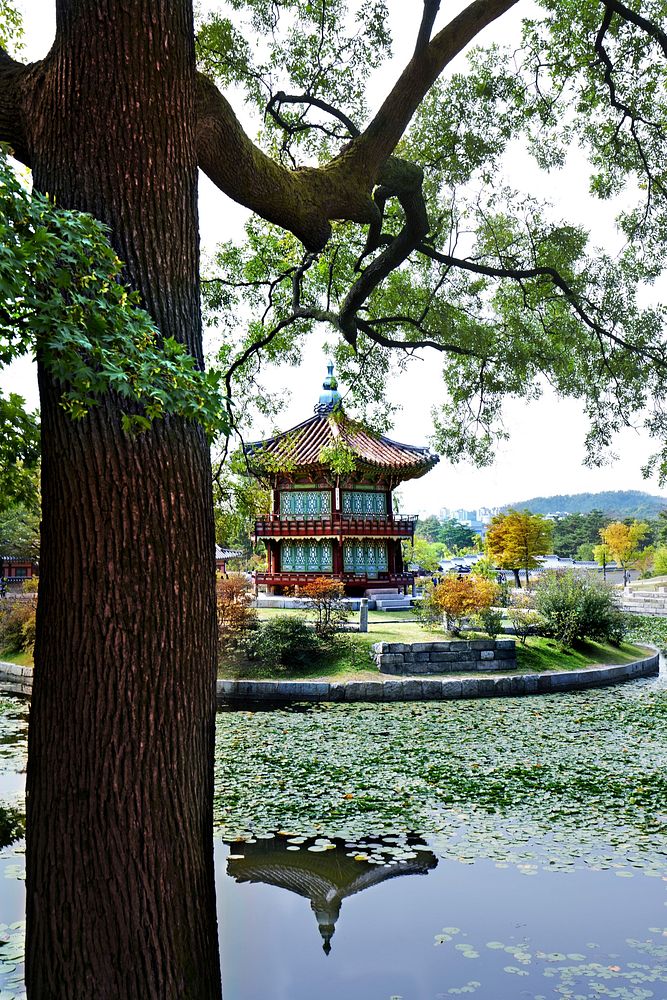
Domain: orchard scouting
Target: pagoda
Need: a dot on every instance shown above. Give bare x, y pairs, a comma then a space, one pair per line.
331, 509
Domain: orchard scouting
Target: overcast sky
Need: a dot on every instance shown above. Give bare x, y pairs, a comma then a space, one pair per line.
545, 452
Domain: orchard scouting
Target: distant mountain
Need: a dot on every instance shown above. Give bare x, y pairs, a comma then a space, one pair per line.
616, 503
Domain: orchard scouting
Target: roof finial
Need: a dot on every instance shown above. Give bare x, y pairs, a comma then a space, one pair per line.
331, 396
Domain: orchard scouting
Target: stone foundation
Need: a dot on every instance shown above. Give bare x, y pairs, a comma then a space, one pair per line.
15, 679
452, 656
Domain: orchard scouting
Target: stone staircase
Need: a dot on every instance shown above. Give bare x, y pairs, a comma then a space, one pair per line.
388, 599
645, 602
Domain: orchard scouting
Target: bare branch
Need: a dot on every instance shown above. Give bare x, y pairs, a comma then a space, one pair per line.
274, 105
410, 346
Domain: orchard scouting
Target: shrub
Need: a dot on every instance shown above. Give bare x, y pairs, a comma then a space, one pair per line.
579, 606
490, 620
236, 617
17, 624
485, 568
524, 618
458, 597
287, 641
325, 596
660, 561
425, 608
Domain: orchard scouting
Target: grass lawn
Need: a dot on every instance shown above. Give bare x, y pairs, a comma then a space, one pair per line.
353, 662
22, 659
545, 654
266, 614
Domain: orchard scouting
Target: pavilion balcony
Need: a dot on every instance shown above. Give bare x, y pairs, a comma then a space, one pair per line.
337, 525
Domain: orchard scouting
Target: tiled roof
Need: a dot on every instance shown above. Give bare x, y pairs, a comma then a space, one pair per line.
302, 446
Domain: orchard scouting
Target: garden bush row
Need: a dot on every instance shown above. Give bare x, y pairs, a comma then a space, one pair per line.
286, 640
564, 606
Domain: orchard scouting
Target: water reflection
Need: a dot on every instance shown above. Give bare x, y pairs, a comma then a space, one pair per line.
327, 871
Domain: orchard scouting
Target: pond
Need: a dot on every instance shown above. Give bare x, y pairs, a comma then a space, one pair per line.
506, 848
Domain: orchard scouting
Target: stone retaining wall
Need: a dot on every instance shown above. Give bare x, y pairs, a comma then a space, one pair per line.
452, 656
18, 680
434, 689
15, 679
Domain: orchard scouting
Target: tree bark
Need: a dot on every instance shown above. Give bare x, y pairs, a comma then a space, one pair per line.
120, 882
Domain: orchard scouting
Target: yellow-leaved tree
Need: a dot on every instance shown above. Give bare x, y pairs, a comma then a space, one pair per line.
515, 538
458, 597
623, 542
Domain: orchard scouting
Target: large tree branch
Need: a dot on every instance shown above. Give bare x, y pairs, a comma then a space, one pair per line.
378, 141
303, 201
276, 102
306, 200
12, 124
431, 8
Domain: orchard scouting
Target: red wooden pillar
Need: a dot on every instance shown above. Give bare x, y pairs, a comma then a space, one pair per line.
337, 557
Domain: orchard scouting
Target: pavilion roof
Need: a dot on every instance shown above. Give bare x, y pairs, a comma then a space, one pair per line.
302, 447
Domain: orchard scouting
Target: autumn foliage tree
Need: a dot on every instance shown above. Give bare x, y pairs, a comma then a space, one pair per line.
236, 614
516, 538
623, 541
459, 597
325, 596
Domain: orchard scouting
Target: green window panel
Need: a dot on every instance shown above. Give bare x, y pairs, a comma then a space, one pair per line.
305, 503
308, 555
365, 556
363, 503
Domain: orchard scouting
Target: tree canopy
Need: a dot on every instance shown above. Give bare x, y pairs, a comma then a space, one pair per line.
624, 541
454, 256
515, 539
402, 229
455, 537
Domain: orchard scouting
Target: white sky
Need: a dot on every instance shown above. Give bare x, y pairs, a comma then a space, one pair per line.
545, 452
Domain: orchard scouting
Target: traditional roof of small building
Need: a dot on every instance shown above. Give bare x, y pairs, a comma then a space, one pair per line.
311, 442
221, 553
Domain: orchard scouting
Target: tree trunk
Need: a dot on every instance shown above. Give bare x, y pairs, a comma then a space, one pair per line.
120, 882
517, 578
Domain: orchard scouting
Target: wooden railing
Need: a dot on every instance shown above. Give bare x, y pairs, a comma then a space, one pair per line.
402, 525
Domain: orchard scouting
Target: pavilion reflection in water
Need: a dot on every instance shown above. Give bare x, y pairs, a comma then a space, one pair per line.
328, 874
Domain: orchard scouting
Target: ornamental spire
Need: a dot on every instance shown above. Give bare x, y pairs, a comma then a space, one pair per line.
331, 397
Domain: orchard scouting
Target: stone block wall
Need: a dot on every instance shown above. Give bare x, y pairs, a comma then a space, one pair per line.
452, 656
15, 679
